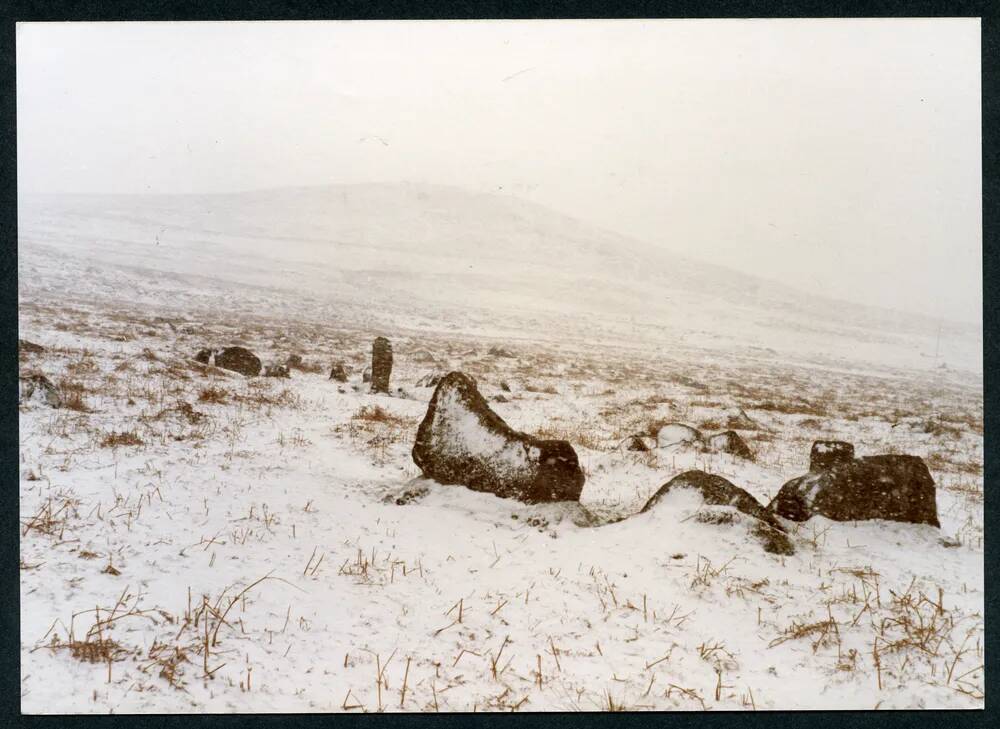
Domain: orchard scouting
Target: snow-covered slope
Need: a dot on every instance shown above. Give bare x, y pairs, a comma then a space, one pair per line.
437, 250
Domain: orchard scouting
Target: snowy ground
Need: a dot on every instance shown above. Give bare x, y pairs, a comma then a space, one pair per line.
193, 541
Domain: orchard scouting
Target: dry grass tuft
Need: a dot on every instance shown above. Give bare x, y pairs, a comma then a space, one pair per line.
124, 438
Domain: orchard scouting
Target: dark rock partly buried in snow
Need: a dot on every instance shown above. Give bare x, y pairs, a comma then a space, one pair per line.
239, 359
673, 434
204, 356
293, 361
462, 441
366, 374
828, 453
40, 389
638, 443
26, 347
717, 491
381, 364
497, 351
741, 421
276, 370
429, 380
890, 487
730, 442
338, 372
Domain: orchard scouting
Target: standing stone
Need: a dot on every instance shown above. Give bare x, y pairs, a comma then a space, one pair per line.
462, 441
381, 364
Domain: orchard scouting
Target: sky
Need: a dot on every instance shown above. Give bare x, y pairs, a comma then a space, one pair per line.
842, 157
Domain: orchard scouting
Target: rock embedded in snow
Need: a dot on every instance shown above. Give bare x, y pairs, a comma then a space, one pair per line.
238, 359
674, 433
381, 364
497, 351
462, 441
338, 372
741, 421
639, 443
294, 360
204, 356
430, 380
38, 388
717, 491
890, 487
828, 453
366, 374
276, 370
26, 347
730, 442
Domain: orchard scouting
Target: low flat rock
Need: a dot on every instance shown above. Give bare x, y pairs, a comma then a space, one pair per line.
462, 441
715, 491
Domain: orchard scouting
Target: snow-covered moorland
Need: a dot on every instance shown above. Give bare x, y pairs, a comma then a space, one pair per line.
197, 541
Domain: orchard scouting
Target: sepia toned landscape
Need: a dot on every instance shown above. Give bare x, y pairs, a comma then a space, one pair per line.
500, 366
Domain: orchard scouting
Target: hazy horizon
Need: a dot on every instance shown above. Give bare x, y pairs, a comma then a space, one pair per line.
839, 157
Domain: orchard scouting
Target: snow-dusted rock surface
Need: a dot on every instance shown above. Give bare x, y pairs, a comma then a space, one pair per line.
890, 487
462, 441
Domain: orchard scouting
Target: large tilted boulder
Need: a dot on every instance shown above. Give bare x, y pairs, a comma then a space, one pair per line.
890, 487
462, 441
381, 364
677, 434
238, 359
716, 491
38, 388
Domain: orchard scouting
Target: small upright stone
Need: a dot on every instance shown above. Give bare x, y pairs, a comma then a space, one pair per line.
338, 372
381, 364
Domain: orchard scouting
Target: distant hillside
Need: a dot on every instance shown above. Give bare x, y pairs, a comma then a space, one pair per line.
432, 246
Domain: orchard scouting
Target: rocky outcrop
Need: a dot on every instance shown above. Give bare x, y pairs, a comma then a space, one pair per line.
26, 347
890, 487
462, 441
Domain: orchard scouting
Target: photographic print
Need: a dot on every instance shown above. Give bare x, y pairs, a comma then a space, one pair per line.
491, 366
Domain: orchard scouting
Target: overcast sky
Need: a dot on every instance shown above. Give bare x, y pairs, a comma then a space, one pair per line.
840, 156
